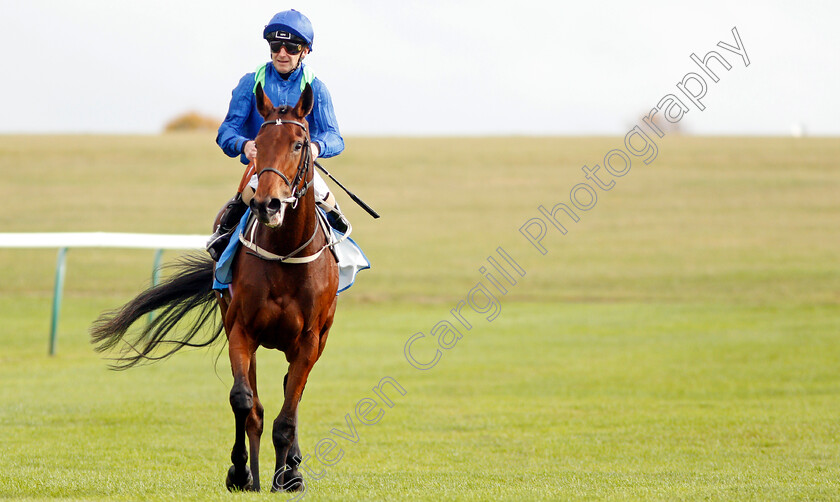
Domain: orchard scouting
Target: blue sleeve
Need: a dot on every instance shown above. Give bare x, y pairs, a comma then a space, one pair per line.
323, 124
230, 137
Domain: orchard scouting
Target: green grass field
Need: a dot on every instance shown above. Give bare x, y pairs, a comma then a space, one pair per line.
681, 341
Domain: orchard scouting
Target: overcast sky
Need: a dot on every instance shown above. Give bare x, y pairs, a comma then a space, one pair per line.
430, 67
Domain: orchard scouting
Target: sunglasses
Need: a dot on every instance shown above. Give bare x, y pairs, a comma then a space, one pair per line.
291, 47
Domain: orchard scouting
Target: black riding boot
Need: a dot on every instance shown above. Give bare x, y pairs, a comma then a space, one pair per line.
230, 218
335, 217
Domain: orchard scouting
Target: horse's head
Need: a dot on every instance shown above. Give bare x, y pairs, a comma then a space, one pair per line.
283, 157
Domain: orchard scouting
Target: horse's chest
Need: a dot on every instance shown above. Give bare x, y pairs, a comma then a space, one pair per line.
279, 305
280, 320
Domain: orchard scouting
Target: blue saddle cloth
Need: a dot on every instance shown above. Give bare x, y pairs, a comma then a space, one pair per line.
351, 258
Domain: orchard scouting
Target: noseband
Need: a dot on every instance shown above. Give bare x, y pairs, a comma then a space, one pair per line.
302, 168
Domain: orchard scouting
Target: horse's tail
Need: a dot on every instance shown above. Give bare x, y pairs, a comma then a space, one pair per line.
188, 291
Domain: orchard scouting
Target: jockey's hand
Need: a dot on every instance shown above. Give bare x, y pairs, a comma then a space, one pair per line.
315, 150
250, 150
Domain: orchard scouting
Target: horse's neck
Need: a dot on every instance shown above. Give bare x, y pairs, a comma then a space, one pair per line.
298, 226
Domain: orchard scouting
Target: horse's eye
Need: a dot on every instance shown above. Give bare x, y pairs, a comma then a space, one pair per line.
298, 146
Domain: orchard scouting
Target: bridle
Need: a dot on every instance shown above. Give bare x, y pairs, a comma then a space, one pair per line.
302, 168
297, 193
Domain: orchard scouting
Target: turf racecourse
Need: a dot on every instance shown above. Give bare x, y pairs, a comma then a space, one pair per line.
681, 341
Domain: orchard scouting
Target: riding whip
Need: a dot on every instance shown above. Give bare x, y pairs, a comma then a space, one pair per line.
353, 196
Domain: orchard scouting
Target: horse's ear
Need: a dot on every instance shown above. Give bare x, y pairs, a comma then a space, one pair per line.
264, 105
305, 103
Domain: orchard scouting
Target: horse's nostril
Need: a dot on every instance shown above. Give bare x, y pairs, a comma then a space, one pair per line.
274, 204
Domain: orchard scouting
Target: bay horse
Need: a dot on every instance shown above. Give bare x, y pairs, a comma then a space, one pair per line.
286, 303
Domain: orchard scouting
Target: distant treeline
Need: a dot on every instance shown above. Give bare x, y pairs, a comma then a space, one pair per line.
192, 121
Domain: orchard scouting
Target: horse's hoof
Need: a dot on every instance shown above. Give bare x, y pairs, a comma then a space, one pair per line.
236, 482
295, 484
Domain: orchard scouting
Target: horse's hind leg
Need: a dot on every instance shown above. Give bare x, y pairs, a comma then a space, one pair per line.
254, 425
242, 401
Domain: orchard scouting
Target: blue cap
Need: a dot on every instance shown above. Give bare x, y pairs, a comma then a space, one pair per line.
293, 22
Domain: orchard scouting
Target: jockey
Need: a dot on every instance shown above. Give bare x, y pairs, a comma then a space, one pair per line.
289, 35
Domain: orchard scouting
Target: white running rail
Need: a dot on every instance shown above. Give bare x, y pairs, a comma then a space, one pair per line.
66, 240
101, 240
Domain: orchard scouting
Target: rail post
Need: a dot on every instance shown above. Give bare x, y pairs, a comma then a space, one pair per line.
57, 292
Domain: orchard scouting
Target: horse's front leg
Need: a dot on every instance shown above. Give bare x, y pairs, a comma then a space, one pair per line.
241, 351
254, 425
284, 434
294, 456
